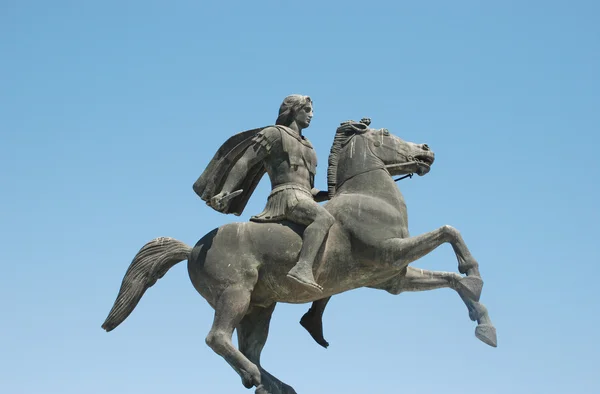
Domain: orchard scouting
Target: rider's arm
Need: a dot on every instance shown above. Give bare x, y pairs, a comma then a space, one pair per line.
251, 157
320, 195
240, 170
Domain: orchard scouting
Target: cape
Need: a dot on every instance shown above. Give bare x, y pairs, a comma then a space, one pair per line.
210, 183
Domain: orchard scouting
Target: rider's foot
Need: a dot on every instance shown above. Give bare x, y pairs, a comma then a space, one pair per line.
302, 274
314, 325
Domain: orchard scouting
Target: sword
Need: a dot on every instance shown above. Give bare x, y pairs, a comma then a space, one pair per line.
221, 202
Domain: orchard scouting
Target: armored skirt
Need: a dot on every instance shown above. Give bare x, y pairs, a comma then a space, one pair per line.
282, 200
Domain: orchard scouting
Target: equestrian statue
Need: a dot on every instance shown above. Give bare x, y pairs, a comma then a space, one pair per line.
298, 250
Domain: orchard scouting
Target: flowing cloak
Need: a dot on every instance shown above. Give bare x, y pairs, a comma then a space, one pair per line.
214, 176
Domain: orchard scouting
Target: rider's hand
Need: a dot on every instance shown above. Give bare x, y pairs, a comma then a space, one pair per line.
217, 201
320, 195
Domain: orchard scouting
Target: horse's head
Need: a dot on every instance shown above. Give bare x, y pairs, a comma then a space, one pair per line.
399, 156
358, 149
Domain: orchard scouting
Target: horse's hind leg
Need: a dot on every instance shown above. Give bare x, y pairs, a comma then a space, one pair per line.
230, 308
252, 335
422, 280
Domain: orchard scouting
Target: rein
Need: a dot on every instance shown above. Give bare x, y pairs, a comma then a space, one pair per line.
403, 177
373, 169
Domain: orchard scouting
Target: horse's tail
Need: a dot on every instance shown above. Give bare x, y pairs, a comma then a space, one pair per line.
150, 264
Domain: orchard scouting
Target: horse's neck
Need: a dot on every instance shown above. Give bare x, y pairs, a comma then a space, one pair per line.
377, 183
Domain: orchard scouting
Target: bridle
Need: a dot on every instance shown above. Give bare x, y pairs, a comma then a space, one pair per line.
402, 177
349, 142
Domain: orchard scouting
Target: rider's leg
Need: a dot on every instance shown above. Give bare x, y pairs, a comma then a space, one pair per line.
319, 221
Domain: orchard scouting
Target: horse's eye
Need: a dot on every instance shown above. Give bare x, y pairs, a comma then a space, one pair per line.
385, 132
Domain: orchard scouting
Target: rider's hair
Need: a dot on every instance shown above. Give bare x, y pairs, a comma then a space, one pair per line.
290, 106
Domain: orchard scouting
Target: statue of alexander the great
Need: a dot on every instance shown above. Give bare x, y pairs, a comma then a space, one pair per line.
243, 269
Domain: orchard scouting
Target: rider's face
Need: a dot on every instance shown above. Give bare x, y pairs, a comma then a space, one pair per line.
304, 116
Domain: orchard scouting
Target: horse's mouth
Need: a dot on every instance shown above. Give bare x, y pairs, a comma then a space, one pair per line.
419, 164
424, 163
425, 159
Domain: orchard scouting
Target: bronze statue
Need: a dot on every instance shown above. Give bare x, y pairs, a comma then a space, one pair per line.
241, 269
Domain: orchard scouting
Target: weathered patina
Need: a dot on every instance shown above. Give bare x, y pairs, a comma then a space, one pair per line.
241, 269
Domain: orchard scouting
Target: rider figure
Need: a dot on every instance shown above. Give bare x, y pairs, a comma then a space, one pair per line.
290, 160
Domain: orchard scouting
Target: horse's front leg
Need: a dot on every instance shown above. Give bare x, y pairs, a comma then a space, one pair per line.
403, 251
414, 279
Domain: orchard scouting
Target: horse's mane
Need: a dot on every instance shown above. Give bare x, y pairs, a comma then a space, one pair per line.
342, 135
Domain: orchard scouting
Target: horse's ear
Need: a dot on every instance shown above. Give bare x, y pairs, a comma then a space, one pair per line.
353, 127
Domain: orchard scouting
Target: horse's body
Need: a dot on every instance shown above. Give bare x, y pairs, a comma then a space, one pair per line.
240, 268
349, 260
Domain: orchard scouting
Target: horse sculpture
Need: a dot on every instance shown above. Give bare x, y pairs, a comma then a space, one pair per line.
240, 268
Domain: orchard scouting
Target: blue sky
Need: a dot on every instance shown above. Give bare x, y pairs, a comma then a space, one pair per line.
110, 110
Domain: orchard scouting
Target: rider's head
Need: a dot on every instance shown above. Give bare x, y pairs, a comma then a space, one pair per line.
290, 107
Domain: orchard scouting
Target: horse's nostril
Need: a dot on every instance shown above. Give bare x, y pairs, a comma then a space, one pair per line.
425, 147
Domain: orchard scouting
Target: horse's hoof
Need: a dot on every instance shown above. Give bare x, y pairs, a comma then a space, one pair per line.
471, 287
487, 334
